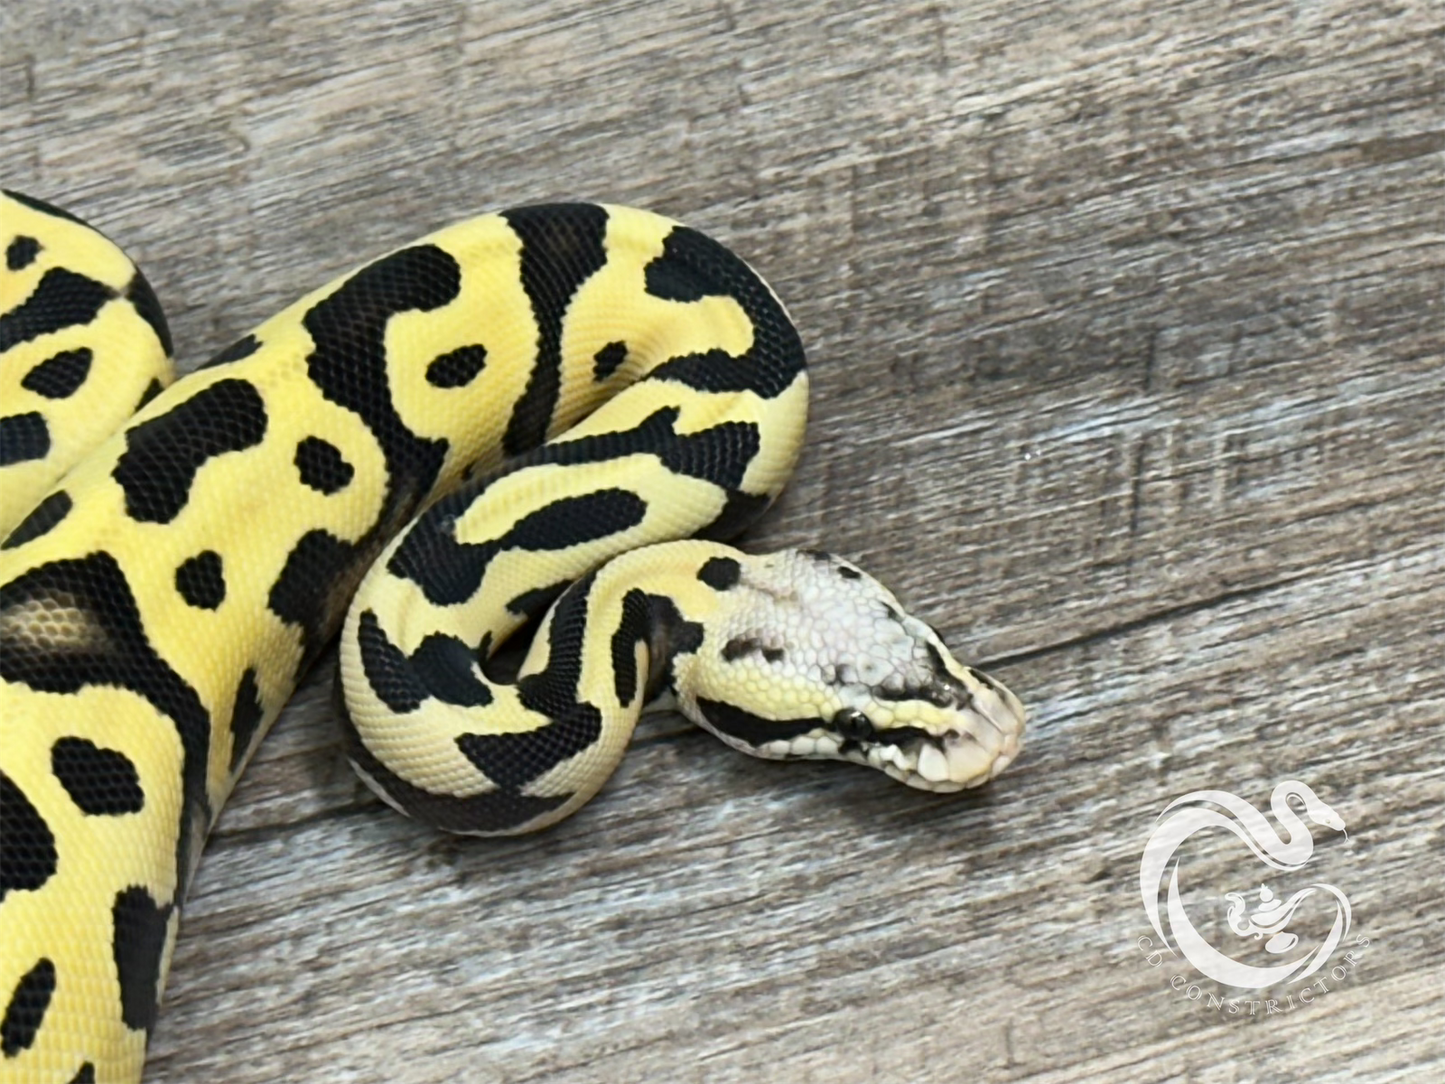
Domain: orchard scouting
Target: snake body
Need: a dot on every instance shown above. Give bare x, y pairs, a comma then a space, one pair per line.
581, 402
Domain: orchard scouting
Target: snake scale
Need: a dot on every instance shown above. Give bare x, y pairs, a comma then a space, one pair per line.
551, 416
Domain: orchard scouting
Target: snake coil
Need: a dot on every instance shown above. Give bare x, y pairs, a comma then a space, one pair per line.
554, 415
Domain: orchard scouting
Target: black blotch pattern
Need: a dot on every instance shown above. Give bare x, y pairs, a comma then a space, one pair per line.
849, 573
449, 572
60, 375
148, 307
563, 244
656, 621
44, 208
720, 454
140, 940
740, 646
61, 299
101, 782
163, 454
693, 266
120, 654
27, 847
457, 368
571, 521
494, 811
740, 510
246, 716
322, 465
201, 580
608, 360
349, 361
23, 437
514, 760
41, 519
534, 603
720, 573
243, 347
84, 1075
447, 667
26, 1009
21, 252
652, 436
348, 365
752, 729
307, 592
672, 635
631, 631
442, 666
154, 388
387, 668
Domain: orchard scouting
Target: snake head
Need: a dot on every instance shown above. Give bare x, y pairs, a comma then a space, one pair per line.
809, 656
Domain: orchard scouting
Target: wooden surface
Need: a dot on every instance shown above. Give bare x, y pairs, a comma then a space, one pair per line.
1127, 330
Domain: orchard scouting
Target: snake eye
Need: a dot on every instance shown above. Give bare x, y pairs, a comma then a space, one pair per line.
853, 725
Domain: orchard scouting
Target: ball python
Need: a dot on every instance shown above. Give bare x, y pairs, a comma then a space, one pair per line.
551, 417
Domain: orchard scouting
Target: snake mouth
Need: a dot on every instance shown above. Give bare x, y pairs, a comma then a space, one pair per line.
984, 739
980, 741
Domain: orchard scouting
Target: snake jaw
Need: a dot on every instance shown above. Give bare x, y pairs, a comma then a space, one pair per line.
982, 741
959, 760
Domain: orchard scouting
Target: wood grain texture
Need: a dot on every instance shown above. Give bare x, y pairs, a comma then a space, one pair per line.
1128, 341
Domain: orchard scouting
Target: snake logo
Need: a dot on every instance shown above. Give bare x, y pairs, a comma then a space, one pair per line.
1269, 921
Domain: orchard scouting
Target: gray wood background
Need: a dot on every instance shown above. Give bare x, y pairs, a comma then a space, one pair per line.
1129, 345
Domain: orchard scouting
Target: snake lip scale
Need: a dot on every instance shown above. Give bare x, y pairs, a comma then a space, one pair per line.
553, 416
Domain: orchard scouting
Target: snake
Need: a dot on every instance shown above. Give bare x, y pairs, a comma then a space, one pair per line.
544, 421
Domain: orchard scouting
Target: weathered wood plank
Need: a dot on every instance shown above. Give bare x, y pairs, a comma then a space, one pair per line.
1127, 324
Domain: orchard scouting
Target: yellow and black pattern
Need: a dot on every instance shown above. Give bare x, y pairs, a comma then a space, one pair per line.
599, 380
83, 344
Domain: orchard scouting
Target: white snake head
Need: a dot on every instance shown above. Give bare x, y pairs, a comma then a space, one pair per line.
810, 657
